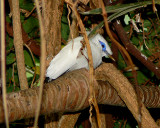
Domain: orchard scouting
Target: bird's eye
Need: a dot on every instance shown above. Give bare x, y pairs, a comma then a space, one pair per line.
103, 45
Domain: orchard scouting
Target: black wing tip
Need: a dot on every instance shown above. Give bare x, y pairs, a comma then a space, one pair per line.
47, 80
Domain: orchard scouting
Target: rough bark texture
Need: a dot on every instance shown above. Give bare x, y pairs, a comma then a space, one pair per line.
70, 93
52, 20
18, 44
128, 95
68, 121
73, 28
52, 13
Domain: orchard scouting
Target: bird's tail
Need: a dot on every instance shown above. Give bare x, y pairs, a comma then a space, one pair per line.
47, 80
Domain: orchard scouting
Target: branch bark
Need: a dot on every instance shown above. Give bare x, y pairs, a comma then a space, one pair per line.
70, 93
18, 44
135, 52
68, 120
127, 93
52, 12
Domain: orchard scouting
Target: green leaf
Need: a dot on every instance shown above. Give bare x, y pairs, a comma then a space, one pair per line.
122, 12
150, 44
141, 78
12, 88
146, 52
127, 28
8, 19
9, 42
26, 4
120, 124
64, 20
34, 34
147, 23
80, 126
11, 58
22, 18
28, 59
65, 10
121, 62
16, 78
30, 24
65, 31
37, 61
8, 74
120, 8
111, 9
127, 19
64, 24
140, 37
135, 40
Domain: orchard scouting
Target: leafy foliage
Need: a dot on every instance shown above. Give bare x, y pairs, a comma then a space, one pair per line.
145, 39
64, 24
30, 24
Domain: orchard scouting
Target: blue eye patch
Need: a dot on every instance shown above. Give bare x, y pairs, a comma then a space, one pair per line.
103, 45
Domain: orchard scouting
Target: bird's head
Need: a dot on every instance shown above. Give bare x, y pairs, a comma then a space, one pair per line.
102, 44
106, 51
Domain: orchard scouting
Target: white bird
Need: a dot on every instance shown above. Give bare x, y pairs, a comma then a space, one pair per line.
73, 56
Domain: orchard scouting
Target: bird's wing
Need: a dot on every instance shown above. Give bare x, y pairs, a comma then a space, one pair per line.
64, 60
82, 59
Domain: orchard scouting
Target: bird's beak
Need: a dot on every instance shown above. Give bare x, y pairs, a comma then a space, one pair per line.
109, 55
111, 58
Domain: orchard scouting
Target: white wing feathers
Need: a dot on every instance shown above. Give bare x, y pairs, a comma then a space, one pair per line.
64, 60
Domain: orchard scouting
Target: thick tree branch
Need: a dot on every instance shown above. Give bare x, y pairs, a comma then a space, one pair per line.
70, 93
52, 13
127, 93
3, 60
18, 44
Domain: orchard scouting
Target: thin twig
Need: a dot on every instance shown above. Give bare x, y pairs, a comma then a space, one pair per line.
42, 61
69, 23
3, 66
155, 9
